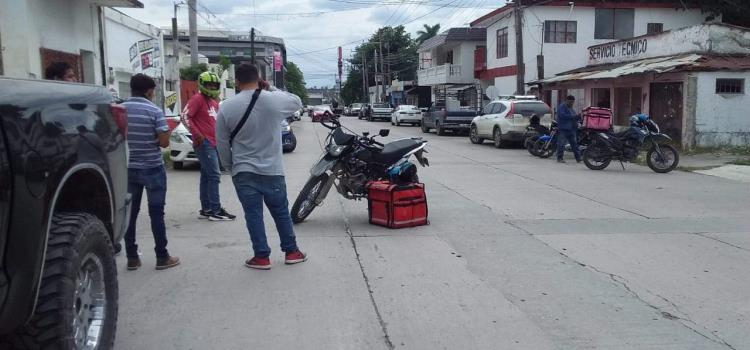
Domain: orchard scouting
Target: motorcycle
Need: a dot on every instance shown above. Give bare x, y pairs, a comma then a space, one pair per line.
546, 145
533, 132
625, 147
351, 161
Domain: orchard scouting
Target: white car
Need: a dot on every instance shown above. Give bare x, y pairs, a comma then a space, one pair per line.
505, 120
406, 114
181, 147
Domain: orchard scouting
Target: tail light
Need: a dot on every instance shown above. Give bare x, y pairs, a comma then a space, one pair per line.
120, 115
511, 112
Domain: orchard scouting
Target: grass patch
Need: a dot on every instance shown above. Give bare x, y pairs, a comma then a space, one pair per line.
733, 150
166, 158
741, 162
696, 168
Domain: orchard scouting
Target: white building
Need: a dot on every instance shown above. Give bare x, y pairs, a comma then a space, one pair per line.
134, 47
561, 30
692, 81
35, 33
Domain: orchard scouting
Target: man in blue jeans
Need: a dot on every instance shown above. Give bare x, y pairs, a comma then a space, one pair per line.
255, 159
199, 116
147, 131
567, 125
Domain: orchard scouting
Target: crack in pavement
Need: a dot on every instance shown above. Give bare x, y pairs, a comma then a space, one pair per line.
488, 165
469, 199
381, 321
703, 234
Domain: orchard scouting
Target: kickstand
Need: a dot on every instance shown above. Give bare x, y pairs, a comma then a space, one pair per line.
622, 165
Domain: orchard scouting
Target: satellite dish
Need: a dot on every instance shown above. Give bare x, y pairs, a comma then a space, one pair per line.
491, 92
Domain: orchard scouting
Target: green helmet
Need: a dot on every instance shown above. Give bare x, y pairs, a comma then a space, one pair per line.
208, 78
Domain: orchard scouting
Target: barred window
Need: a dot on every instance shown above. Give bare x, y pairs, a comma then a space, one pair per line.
730, 86
502, 42
653, 28
560, 31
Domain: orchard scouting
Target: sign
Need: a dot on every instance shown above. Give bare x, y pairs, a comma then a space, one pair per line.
622, 51
277, 61
171, 100
147, 60
133, 51
146, 45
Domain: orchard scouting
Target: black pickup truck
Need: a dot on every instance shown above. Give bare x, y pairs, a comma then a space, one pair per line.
63, 202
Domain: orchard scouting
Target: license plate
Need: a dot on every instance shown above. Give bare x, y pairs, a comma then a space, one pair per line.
464, 125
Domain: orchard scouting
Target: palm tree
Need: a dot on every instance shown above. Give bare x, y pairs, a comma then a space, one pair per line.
427, 33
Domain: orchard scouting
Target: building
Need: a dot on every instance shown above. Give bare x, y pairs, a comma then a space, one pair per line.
270, 52
446, 62
692, 81
135, 47
35, 33
554, 32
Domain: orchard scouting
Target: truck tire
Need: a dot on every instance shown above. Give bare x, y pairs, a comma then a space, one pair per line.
78, 268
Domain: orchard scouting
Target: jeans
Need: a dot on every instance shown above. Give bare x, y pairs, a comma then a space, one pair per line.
253, 190
567, 136
154, 180
210, 177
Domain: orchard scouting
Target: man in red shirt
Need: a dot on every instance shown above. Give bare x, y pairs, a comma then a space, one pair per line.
199, 116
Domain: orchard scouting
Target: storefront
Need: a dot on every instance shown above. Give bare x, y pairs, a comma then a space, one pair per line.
692, 81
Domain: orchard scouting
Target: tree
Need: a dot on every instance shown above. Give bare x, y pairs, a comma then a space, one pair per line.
427, 33
294, 81
191, 73
400, 61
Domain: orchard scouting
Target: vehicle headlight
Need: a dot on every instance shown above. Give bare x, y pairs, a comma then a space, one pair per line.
176, 138
287, 128
335, 150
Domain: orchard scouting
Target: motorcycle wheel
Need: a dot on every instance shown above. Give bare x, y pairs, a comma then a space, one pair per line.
592, 161
662, 164
305, 202
542, 149
529, 143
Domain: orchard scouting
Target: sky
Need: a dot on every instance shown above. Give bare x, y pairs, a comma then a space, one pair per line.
312, 29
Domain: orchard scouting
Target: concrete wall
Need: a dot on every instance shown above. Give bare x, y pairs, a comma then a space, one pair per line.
64, 25
721, 119
564, 57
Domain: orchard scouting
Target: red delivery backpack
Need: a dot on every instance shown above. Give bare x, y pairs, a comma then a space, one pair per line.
597, 118
396, 206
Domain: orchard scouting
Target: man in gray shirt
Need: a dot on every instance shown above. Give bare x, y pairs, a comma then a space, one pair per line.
254, 156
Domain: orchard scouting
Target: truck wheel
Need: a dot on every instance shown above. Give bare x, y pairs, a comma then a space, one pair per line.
77, 301
425, 129
177, 165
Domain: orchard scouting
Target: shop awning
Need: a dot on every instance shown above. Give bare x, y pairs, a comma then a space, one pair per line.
611, 71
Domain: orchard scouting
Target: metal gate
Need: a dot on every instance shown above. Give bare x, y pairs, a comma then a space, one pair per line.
665, 107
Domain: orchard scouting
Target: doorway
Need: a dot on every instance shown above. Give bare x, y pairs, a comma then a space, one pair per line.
665, 107
628, 101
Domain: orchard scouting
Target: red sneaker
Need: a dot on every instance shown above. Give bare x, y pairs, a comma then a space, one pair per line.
295, 257
258, 263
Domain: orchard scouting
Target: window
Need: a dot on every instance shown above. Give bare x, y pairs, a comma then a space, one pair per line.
613, 23
560, 31
730, 86
653, 28
502, 42
500, 108
490, 108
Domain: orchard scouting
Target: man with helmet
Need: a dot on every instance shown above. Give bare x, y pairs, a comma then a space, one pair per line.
199, 116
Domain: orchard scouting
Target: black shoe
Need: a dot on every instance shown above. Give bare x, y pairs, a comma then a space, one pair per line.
222, 215
561, 160
203, 214
578, 160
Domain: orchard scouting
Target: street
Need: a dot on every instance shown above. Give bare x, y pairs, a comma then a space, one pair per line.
521, 253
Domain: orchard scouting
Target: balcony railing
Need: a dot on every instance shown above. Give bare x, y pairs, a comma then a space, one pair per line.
445, 74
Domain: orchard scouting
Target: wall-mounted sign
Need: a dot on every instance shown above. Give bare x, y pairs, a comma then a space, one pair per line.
277, 61
623, 50
147, 60
133, 51
146, 45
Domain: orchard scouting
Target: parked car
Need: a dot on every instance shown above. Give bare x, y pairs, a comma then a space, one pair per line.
297, 116
354, 109
442, 120
63, 206
181, 149
322, 112
505, 120
380, 111
288, 139
406, 114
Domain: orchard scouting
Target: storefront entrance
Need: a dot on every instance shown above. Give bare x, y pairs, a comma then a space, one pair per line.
665, 108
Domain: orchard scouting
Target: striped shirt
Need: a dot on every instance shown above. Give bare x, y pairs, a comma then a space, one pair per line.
145, 121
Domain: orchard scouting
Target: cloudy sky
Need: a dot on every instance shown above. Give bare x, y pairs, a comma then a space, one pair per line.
313, 28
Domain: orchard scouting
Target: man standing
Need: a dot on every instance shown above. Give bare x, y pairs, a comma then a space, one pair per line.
252, 150
199, 116
567, 125
147, 131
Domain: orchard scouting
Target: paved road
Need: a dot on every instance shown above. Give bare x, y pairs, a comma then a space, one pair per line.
521, 253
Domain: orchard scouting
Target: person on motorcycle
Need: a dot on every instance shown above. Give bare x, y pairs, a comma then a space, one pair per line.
567, 125
199, 116
248, 133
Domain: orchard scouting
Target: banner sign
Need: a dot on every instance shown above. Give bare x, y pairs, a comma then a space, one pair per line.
277, 61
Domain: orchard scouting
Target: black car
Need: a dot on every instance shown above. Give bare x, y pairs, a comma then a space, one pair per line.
63, 202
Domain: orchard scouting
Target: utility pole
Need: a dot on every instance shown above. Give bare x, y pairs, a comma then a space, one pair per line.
382, 69
521, 70
192, 22
377, 83
252, 45
365, 78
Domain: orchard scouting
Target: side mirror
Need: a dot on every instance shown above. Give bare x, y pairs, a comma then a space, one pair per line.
365, 134
385, 132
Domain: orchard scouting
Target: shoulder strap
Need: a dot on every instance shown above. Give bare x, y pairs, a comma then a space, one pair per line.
244, 117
